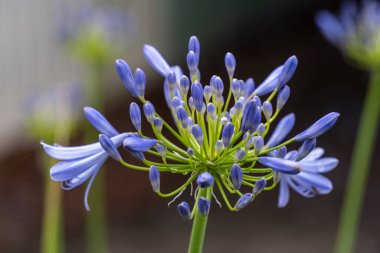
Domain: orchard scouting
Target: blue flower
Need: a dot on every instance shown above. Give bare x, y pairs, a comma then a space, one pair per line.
308, 182
78, 163
354, 31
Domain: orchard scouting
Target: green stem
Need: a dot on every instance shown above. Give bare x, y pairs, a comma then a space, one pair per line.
360, 164
199, 226
96, 223
52, 238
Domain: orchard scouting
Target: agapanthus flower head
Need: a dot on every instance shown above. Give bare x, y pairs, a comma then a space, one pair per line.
355, 31
223, 143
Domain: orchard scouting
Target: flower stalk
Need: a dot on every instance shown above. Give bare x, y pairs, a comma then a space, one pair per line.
360, 167
198, 231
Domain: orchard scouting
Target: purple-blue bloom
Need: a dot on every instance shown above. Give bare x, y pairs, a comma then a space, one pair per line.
79, 163
309, 182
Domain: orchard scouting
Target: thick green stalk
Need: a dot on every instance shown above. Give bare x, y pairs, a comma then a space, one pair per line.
360, 164
96, 223
199, 227
52, 238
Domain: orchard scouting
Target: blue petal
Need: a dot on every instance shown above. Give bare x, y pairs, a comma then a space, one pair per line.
283, 197
270, 83
156, 60
138, 144
78, 180
301, 186
330, 27
314, 154
66, 170
89, 187
74, 153
321, 183
281, 165
282, 130
98, 121
319, 127
319, 166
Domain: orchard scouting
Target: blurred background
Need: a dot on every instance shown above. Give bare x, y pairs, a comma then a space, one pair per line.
36, 57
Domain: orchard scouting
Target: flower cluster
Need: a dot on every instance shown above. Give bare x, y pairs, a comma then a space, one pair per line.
355, 31
223, 144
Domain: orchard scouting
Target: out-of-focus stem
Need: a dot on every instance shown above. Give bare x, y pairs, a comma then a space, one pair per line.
96, 222
52, 236
360, 164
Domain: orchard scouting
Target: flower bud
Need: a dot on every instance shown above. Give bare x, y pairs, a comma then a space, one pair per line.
157, 122
172, 81
249, 114
230, 62
126, 77
260, 129
198, 134
135, 115
161, 150
227, 133
184, 84
236, 175
149, 111
205, 180
218, 86
194, 46
184, 210
236, 88
140, 80
154, 177
319, 127
190, 151
197, 94
219, 147
204, 206
182, 117
259, 186
244, 201
207, 93
258, 144
239, 155
109, 147
282, 97
98, 121
267, 110
192, 62
176, 102
288, 71
191, 104
156, 60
